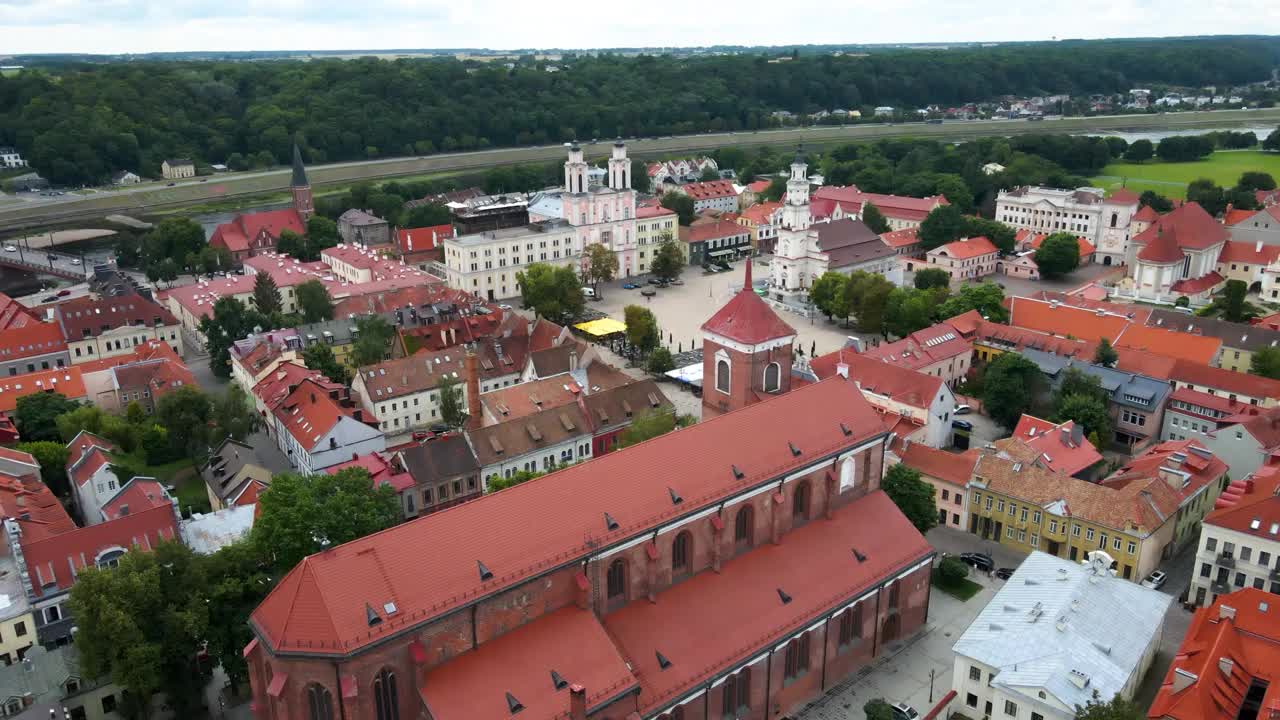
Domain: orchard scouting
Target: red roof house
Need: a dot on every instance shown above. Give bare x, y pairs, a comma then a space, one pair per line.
249, 234
1063, 447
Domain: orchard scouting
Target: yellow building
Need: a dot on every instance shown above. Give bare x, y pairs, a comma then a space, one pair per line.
1134, 515
654, 224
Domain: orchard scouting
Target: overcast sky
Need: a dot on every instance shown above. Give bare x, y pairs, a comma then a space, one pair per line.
119, 26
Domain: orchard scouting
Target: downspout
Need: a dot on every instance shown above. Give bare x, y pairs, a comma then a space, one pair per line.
473, 626
342, 701
826, 650
875, 631
768, 682
706, 703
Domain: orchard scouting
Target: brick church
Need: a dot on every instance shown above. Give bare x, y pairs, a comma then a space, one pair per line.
690, 576
250, 234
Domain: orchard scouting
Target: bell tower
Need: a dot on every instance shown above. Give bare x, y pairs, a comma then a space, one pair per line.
619, 167
575, 171
301, 187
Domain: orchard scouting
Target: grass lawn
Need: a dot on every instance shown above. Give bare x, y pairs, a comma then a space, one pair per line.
962, 590
1171, 179
192, 496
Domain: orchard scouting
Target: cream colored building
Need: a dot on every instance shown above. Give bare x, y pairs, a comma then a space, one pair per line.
654, 224
486, 263
177, 169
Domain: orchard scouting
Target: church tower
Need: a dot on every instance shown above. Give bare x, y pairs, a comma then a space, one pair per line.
746, 353
575, 171
790, 265
619, 167
795, 212
301, 187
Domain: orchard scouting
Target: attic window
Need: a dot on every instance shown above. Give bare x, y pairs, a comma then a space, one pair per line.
626, 408
795, 451
663, 662
557, 681
784, 597
533, 432
653, 400
493, 443
1255, 524
675, 497
513, 704
485, 573
609, 522
567, 423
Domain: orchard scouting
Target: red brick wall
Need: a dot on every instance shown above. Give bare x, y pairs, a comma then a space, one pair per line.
746, 377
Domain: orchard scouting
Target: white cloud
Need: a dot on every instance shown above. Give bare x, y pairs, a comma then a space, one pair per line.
115, 26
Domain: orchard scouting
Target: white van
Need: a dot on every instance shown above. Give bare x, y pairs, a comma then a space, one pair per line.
588, 292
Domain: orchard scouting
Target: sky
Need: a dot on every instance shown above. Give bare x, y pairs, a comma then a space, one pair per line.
139, 26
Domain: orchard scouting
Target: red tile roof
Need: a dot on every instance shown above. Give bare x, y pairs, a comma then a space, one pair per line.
710, 189
237, 234
137, 495
1123, 196
381, 472
758, 186
1057, 453
1187, 227
50, 560
85, 317
700, 636
1193, 286
1230, 646
891, 206
1192, 464
1251, 505
902, 238
1234, 216
90, 462
308, 413
413, 240
320, 604
760, 213
880, 376
1122, 330
570, 641
953, 468
18, 456
34, 506
1146, 214
1250, 253
646, 210
922, 348
748, 319
1263, 426
966, 323
82, 442
1224, 406
149, 350
966, 248
159, 376
1034, 240
1170, 343
14, 314
1186, 372
66, 381
30, 340
711, 231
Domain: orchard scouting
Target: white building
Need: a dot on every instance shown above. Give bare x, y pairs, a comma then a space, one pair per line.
1239, 543
1055, 635
125, 177
806, 250
1103, 221
178, 168
486, 263
1176, 256
11, 158
316, 427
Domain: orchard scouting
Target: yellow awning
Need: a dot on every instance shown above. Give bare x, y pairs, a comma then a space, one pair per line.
602, 327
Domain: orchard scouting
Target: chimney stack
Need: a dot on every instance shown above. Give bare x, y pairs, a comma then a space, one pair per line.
473, 392
573, 360
577, 702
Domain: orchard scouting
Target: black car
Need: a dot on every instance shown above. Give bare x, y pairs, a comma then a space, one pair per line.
654, 281
962, 424
979, 561
1004, 573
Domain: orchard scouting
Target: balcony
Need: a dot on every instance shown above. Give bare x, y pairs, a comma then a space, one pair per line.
1274, 576
1219, 588
1225, 560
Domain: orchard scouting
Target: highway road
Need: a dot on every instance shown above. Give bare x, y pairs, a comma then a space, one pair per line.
40, 211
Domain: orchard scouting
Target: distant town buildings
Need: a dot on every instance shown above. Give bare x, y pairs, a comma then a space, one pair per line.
177, 169
11, 158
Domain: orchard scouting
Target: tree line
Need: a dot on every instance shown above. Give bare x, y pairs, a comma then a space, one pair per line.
79, 122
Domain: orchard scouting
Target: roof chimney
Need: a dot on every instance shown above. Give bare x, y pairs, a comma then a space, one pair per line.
1226, 665
473, 392
577, 702
747, 276
573, 360
842, 369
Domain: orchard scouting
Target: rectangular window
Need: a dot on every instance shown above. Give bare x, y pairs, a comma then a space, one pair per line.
1035, 518
1010, 708
975, 674
1088, 534
1133, 547
1211, 544
1075, 530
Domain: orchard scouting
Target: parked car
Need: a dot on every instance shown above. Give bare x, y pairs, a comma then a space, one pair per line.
589, 292
654, 281
75, 261
903, 711
677, 281
1155, 580
10, 248
629, 286
171, 184
979, 561
962, 424
63, 293
1005, 573
962, 410
50, 298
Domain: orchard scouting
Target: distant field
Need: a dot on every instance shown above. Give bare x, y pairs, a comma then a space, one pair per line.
1171, 179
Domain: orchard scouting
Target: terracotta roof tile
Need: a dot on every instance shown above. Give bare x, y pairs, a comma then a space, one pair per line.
66, 381
748, 319
415, 240
85, 317
1059, 450
1186, 227
880, 376
1192, 286
49, 560
953, 468
966, 248
320, 604
30, 340
137, 495
902, 238
1194, 373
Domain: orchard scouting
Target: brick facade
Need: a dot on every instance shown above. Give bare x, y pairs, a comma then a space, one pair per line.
746, 376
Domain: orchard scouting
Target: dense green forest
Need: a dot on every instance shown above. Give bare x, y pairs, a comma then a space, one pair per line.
77, 123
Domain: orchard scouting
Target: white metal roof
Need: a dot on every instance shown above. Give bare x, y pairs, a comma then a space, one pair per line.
1055, 620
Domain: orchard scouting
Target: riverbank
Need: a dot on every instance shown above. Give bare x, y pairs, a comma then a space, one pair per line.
1171, 179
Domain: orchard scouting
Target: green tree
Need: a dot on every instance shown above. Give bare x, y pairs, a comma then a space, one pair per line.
300, 515
187, 414
236, 582
954, 188
1140, 151
1058, 255
141, 622
952, 569
157, 448
777, 188
640, 181
1231, 302
877, 709
1009, 388
322, 233
230, 321
294, 245
234, 416
1078, 382
1255, 180
874, 219
680, 204
647, 425
908, 310
1105, 355
642, 327
1266, 362
866, 297
1089, 413
1272, 142
1117, 708
708, 174
913, 496
986, 297
1208, 194
453, 408
314, 301
668, 259
827, 294
373, 339
266, 296
1155, 201
320, 357
426, 215
36, 416
52, 457
554, 293
942, 225
602, 265
1182, 301
498, 482
660, 361
927, 278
